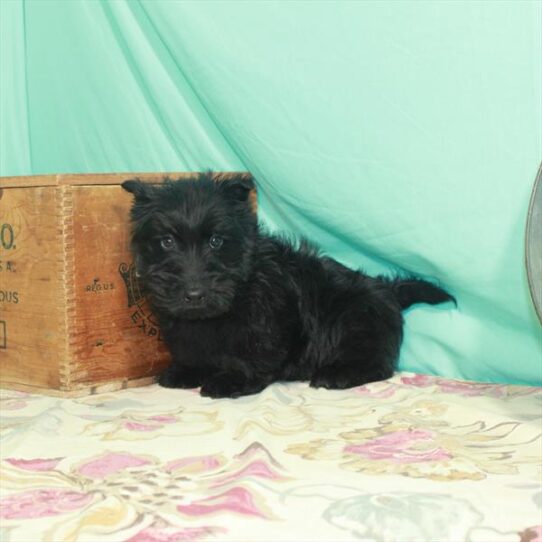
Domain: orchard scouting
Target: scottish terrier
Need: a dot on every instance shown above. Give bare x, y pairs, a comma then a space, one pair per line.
240, 309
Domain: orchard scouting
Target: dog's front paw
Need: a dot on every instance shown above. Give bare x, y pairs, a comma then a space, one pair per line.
173, 378
231, 386
331, 379
217, 388
168, 380
341, 377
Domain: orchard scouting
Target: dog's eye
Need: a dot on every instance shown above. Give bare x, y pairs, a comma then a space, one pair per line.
216, 241
167, 242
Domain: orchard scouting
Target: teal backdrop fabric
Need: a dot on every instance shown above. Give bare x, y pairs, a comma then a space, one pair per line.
397, 135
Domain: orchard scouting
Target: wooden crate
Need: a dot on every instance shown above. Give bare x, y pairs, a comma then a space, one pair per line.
72, 318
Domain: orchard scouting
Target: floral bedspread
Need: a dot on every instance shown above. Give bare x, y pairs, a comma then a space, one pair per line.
414, 458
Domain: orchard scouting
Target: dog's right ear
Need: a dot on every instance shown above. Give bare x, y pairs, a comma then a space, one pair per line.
141, 190
237, 186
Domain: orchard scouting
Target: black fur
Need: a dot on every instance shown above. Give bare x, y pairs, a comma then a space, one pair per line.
240, 309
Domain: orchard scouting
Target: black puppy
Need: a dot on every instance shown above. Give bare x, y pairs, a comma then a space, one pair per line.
240, 309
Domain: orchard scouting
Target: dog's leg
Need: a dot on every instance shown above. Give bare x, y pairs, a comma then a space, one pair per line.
231, 385
180, 377
234, 377
342, 375
359, 346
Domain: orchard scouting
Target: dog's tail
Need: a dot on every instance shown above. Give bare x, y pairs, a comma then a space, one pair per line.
411, 290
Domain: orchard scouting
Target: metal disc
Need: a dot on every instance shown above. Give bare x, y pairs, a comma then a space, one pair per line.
533, 244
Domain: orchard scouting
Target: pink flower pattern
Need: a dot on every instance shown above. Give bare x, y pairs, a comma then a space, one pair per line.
237, 500
466, 389
174, 534
401, 447
110, 463
532, 534
155, 465
39, 503
36, 465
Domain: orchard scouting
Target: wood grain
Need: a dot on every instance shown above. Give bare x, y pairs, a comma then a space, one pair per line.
76, 179
111, 339
32, 302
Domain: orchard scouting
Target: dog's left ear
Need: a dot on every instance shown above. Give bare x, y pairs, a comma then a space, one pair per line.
239, 186
141, 190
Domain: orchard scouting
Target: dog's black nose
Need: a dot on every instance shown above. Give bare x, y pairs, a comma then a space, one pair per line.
194, 295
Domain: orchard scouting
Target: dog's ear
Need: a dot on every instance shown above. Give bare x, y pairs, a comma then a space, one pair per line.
141, 190
238, 186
